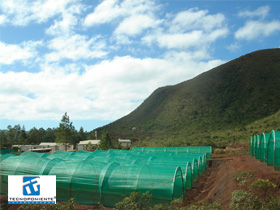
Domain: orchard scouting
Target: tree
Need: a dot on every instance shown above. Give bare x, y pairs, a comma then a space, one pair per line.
49, 135
3, 140
105, 141
66, 131
12, 135
80, 136
33, 136
22, 136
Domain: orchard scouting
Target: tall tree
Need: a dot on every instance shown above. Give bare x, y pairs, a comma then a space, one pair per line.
22, 136
66, 131
3, 140
33, 136
80, 136
49, 135
12, 135
105, 141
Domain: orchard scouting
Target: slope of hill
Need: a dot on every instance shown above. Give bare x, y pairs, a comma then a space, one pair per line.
223, 100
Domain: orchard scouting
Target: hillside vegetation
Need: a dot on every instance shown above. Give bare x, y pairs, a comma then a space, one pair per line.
225, 105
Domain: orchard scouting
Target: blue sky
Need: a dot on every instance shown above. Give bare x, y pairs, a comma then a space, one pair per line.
99, 60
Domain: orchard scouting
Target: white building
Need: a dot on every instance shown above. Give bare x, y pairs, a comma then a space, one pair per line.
124, 142
82, 145
48, 146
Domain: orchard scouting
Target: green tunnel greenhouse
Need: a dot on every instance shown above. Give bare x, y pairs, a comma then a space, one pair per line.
266, 148
106, 177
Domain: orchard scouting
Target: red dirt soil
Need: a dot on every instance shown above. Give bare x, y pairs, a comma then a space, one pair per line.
215, 184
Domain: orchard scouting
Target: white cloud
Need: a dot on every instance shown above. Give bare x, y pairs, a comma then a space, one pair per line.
129, 17
64, 26
256, 29
69, 20
2, 19
9, 53
110, 10
108, 90
104, 12
234, 47
134, 25
194, 38
191, 28
75, 47
180, 41
196, 19
21, 12
261, 12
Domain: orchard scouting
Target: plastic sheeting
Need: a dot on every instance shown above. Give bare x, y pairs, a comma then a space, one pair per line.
266, 147
207, 150
107, 177
263, 146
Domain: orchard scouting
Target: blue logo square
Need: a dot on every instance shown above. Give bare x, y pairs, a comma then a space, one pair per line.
31, 185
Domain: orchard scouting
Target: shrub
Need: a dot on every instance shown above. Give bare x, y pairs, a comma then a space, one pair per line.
204, 206
265, 191
259, 195
245, 200
136, 201
244, 178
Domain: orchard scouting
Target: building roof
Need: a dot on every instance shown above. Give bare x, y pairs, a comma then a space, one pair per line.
89, 141
124, 141
41, 150
48, 144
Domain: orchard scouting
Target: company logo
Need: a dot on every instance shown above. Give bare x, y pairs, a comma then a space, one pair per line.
31, 185
31, 189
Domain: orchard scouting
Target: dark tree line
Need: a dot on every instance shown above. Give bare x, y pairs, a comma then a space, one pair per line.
64, 133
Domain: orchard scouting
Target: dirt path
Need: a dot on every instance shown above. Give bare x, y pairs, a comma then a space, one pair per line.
216, 183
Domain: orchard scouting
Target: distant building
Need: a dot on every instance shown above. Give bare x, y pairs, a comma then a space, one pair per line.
45, 146
82, 145
124, 142
54, 146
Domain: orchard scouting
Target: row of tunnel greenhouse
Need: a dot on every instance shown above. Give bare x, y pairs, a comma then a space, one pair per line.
107, 177
266, 148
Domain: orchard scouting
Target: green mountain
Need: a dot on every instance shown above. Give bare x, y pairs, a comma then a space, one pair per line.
214, 108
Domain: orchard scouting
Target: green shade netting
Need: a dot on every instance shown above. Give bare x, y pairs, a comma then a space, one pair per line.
106, 177
263, 146
35, 154
277, 151
197, 160
201, 157
258, 149
79, 180
190, 173
255, 145
187, 171
19, 165
266, 147
207, 150
198, 164
163, 185
270, 149
273, 150
250, 146
6, 155
5, 151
